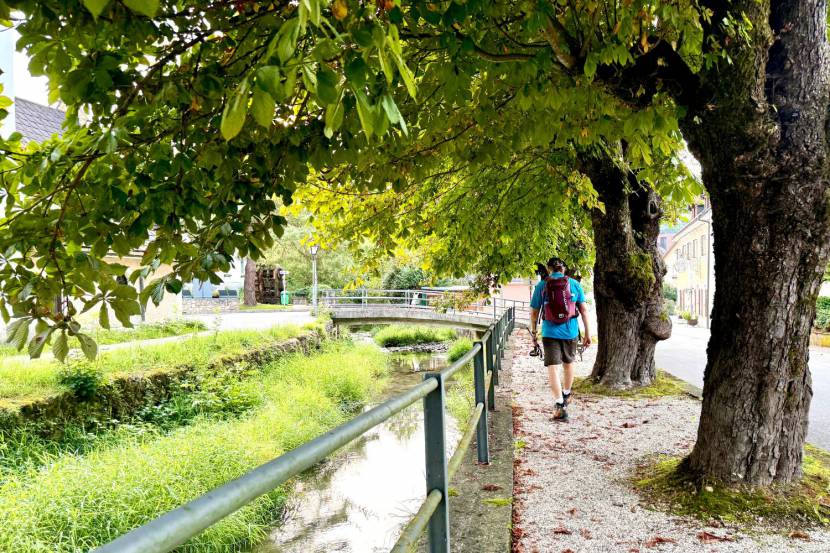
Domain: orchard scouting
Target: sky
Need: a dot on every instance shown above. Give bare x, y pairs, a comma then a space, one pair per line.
31, 88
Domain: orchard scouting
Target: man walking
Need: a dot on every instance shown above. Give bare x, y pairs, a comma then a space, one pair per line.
558, 297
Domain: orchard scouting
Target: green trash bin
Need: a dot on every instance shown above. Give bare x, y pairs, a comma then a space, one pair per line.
285, 297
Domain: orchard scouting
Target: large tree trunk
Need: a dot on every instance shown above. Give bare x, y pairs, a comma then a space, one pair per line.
250, 282
762, 141
628, 277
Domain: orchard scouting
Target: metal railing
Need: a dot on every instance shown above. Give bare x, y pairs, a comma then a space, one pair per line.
179, 525
445, 301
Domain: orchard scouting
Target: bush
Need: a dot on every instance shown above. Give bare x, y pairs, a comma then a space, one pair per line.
669, 292
404, 278
822, 313
458, 349
82, 377
406, 335
671, 307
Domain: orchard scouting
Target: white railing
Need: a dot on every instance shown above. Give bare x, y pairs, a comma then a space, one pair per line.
438, 300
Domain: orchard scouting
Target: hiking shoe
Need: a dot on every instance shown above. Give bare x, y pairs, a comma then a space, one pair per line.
560, 414
566, 399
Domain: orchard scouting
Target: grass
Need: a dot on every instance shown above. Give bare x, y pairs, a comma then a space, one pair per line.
75, 503
664, 385
147, 331
807, 502
458, 349
408, 335
23, 380
499, 501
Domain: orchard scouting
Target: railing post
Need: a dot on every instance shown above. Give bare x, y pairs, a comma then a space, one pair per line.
491, 393
436, 465
482, 443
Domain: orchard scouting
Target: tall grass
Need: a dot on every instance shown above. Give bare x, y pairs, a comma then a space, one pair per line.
461, 393
23, 380
458, 349
76, 503
408, 335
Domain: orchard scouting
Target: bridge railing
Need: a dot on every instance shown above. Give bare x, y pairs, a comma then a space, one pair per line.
179, 525
446, 301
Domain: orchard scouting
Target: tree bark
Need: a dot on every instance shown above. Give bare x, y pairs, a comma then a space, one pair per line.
761, 139
628, 277
250, 283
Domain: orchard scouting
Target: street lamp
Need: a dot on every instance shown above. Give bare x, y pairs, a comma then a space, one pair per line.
314, 248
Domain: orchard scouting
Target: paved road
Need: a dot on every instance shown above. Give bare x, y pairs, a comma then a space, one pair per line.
684, 355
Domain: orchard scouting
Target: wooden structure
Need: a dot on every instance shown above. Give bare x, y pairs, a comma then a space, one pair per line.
268, 284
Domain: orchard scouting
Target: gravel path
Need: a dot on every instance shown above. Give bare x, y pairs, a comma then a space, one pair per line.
571, 493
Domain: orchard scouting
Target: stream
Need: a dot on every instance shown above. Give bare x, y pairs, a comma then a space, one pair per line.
360, 500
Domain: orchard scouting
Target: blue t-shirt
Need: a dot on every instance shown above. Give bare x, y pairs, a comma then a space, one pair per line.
562, 331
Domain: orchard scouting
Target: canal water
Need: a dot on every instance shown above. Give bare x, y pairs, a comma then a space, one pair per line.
359, 501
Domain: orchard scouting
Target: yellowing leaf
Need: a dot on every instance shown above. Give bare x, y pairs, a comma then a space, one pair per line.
236, 109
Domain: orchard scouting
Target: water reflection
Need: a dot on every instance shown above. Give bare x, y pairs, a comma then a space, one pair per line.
359, 501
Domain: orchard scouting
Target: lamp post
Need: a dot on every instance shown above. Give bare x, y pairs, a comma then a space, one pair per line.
314, 248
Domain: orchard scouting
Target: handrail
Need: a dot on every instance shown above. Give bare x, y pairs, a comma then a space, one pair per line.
179, 525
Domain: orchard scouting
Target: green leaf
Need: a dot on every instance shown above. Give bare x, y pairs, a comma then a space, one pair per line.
365, 113
287, 42
37, 343
334, 118
104, 316
233, 116
148, 8
123, 309
60, 346
263, 106
88, 346
406, 75
268, 79
326, 85
96, 7
386, 66
393, 113
18, 332
173, 285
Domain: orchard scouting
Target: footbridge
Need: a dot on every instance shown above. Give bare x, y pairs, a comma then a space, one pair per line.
426, 307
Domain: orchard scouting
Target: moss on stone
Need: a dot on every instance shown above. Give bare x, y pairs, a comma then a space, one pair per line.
666, 486
499, 501
663, 386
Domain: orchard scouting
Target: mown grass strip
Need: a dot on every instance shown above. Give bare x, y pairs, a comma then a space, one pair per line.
79, 502
24, 381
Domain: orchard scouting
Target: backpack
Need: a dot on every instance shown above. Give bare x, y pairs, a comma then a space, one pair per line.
556, 300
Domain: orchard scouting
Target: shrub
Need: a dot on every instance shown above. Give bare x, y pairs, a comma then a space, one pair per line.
458, 349
669, 292
406, 335
822, 313
82, 377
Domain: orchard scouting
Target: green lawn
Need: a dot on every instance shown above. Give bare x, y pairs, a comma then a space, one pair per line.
23, 380
147, 331
77, 502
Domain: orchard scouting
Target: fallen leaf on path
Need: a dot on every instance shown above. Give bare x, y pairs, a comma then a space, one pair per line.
585, 533
799, 535
572, 511
629, 424
490, 487
654, 541
562, 530
709, 537
567, 551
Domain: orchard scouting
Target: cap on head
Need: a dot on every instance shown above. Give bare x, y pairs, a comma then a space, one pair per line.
556, 264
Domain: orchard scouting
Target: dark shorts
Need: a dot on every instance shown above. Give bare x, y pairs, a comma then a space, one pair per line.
558, 351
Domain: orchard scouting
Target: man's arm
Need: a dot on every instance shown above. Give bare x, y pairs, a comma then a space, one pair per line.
583, 310
534, 320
